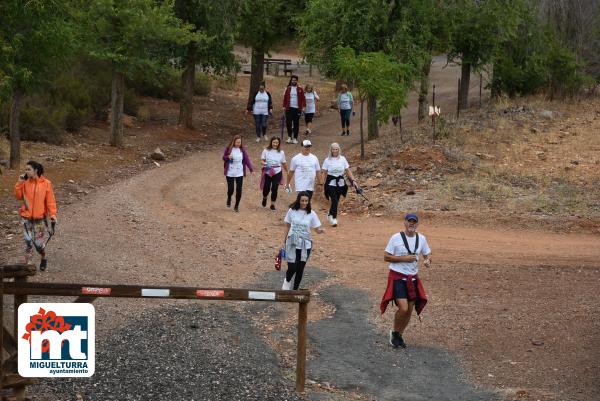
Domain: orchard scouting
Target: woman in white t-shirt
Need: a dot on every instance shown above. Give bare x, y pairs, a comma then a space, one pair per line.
334, 168
235, 163
273, 162
345, 103
311, 106
261, 107
298, 242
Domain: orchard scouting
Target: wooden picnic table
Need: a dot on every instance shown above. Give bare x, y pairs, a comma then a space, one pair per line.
286, 63
280, 61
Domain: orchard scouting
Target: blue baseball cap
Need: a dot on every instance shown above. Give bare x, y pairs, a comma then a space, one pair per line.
411, 216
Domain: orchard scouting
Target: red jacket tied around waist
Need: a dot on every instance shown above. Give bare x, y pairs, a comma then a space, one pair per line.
415, 291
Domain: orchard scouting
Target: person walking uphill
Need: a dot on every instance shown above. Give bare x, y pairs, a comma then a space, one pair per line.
297, 242
39, 203
334, 167
293, 105
345, 103
236, 160
404, 286
261, 106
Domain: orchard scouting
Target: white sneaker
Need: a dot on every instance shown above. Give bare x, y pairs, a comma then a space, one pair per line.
335, 222
257, 139
330, 219
289, 140
287, 285
295, 141
265, 138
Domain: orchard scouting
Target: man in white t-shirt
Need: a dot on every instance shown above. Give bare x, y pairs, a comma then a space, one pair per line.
404, 286
306, 170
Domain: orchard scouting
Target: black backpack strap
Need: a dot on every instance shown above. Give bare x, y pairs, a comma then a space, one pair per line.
406, 243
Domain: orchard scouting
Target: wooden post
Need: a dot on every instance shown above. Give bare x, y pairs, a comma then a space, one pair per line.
301, 357
19, 299
458, 101
2, 328
310, 70
433, 116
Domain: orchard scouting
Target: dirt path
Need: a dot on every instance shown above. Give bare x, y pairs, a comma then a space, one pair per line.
494, 292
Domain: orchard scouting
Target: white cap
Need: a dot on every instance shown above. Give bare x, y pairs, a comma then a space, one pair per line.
306, 142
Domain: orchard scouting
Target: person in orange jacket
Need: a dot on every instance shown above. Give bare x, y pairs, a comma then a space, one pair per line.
38, 202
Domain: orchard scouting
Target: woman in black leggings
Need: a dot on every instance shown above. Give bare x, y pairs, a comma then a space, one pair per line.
298, 243
273, 161
236, 160
335, 166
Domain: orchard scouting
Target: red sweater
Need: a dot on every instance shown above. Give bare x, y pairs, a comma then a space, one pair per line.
415, 292
301, 98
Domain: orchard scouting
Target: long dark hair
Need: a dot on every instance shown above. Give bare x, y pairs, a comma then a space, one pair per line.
296, 204
270, 147
39, 169
293, 76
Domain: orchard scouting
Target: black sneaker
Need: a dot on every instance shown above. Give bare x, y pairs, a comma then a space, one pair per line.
229, 202
347, 133
235, 209
272, 207
396, 340
264, 202
43, 264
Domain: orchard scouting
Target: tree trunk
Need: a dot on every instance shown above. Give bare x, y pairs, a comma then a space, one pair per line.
15, 134
424, 91
372, 126
257, 70
463, 92
400, 131
494, 89
116, 109
188, 78
362, 135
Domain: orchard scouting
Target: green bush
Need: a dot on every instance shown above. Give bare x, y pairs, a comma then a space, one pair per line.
40, 124
565, 76
202, 84
165, 85
70, 94
537, 62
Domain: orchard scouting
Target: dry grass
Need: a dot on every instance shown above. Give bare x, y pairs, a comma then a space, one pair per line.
528, 163
508, 157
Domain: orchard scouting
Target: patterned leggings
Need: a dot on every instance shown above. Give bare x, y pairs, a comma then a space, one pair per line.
34, 232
